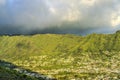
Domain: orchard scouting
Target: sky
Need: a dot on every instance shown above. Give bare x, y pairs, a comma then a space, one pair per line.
59, 16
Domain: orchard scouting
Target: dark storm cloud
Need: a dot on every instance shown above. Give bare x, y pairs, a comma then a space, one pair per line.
59, 16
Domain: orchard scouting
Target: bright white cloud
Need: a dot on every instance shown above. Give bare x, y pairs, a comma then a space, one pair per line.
115, 21
88, 2
72, 16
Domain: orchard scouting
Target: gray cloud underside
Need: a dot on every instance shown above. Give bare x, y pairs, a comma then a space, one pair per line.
59, 16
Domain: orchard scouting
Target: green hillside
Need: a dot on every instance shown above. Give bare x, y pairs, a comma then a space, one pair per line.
8, 73
65, 56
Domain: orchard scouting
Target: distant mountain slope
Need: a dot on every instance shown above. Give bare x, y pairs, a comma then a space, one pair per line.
66, 56
53, 43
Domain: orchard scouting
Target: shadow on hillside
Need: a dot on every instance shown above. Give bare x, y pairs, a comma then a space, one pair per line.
25, 72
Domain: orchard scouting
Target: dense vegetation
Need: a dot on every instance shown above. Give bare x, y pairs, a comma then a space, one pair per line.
65, 57
7, 73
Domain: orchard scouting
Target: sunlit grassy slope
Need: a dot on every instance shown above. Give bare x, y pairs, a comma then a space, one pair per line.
65, 57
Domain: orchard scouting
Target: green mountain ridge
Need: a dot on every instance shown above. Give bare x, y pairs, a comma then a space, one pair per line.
65, 56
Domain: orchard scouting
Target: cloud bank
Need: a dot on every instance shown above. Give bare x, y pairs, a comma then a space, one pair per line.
59, 16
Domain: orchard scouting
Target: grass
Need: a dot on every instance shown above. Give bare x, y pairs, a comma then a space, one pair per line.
65, 57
